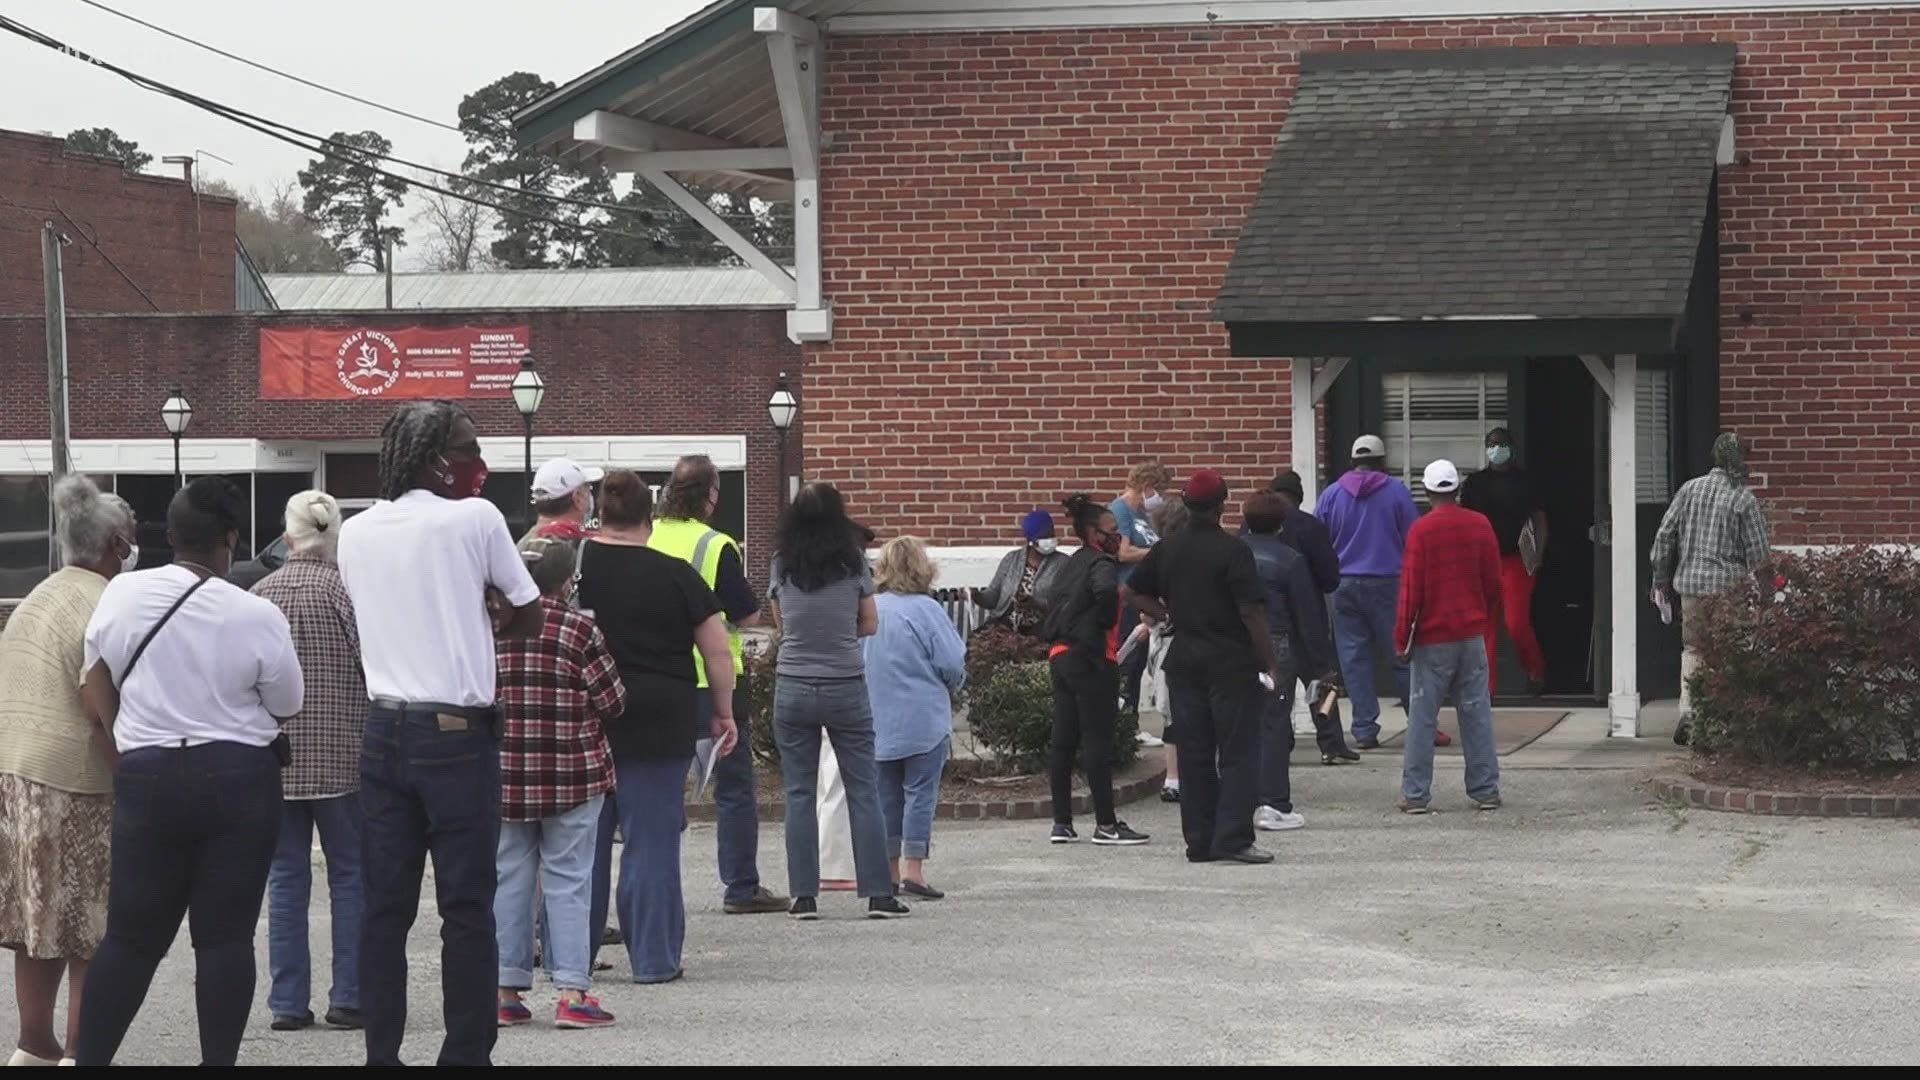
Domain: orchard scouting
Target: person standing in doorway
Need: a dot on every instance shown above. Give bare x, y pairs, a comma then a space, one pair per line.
1506, 494
322, 784
1133, 517
434, 577
1712, 536
1307, 535
1449, 599
1368, 512
683, 530
1208, 583
1297, 623
1081, 630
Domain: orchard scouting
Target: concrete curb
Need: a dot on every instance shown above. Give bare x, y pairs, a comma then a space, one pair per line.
991, 809
1783, 803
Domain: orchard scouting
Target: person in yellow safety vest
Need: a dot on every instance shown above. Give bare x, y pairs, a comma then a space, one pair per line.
680, 529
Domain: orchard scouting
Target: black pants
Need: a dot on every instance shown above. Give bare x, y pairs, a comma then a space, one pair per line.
1219, 753
194, 831
1276, 747
1085, 702
430, 783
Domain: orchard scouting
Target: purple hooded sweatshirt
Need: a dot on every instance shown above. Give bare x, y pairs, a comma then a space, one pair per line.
1368, 513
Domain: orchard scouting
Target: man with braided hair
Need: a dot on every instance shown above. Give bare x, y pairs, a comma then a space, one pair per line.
434, 577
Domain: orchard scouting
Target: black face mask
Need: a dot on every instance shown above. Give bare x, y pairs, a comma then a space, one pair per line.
1109, 542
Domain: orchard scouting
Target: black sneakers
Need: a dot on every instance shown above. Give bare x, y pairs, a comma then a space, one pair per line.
887, 907
1063, 834
1118, 835
804, 908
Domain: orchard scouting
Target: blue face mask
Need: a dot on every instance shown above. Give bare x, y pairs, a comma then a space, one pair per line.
1499, 455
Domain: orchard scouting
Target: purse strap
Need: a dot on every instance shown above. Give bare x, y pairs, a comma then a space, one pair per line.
164, 619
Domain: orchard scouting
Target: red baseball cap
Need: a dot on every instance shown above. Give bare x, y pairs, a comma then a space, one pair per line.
1205, 487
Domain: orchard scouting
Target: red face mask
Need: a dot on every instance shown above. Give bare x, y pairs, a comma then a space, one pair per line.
464, 479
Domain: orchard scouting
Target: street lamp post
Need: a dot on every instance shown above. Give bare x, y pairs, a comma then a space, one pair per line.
529, 390
177, 413
782, 408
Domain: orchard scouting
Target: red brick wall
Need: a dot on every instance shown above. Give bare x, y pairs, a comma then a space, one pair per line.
178, 248
1024, 233
607, 373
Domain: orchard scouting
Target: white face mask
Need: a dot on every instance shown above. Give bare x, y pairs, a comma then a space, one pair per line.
1047, 546
132, 560
1152, 502
1499, 455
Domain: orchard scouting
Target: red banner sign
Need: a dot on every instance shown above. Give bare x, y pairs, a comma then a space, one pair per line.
341, 364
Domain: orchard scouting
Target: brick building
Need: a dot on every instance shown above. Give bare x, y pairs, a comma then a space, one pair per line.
1630, 224
137, 242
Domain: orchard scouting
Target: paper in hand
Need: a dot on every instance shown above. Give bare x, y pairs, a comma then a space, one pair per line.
707, 760
1134, 641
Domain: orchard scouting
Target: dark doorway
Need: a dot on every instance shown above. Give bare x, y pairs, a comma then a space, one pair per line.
1558, 442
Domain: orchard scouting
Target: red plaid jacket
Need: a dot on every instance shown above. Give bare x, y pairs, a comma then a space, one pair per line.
1449, 580
556, 692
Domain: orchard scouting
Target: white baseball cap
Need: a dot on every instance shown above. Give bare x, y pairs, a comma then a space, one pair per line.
561, 477
1440, 476
1369, 446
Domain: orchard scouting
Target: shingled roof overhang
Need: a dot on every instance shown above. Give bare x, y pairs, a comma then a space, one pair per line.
1480, 202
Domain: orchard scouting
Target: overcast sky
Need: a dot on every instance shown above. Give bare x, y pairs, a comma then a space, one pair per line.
419, 55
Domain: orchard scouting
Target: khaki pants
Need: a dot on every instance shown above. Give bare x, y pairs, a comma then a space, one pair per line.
1690, 606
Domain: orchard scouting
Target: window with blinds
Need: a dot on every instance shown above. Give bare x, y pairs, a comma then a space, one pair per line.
1439, 414
1653, 436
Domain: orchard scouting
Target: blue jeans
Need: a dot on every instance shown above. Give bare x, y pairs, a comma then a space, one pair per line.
909, 794
289, 886
193, 836
1456, 669
652, 908
802, 709
430, 784
557, 853
736, 801
1363, 614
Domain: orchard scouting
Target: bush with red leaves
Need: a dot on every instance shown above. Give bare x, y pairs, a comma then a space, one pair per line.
1814, 663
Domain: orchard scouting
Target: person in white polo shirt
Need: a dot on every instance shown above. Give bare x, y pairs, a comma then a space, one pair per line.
194, 677
434, 576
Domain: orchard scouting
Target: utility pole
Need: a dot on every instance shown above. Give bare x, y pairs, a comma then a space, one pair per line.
50, 244
389, 261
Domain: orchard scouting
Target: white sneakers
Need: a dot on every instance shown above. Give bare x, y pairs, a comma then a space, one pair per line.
1147, 741
1267, 819
22, 1058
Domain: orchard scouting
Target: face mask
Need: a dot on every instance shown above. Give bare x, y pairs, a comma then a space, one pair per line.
1152, 502
1047, 546
131, 560
1110, 543
1499, 455
465, 479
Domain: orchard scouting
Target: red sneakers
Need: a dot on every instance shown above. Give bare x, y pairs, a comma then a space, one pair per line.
578, 1015
514, 1013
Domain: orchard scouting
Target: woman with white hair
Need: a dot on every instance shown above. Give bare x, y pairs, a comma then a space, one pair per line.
56, 772
321, 785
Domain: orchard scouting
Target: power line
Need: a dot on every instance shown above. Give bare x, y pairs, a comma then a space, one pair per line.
269, 70
330, 148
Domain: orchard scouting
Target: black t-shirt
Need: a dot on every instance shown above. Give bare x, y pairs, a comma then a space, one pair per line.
647, 605
1205, 577
1507, 497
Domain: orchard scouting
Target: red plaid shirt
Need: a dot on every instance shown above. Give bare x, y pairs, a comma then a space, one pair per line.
557, 691
1450, 581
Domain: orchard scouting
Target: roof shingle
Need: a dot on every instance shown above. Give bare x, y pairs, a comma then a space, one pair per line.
1547, 183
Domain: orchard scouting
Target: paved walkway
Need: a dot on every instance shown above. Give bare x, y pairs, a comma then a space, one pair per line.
1585, 923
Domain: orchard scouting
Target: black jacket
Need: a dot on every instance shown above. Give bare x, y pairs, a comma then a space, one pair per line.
1294, 606
1308, 535
1085, 604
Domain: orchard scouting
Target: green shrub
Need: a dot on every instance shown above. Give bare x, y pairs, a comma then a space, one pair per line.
1819, 667
760, 704
1010, 712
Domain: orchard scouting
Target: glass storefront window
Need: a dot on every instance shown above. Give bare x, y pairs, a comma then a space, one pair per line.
24, 550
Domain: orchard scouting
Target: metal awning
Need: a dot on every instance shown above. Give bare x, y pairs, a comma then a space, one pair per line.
1482, 201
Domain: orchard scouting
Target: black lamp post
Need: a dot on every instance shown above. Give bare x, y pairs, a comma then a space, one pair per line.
782, 408
177, 413
529, 389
